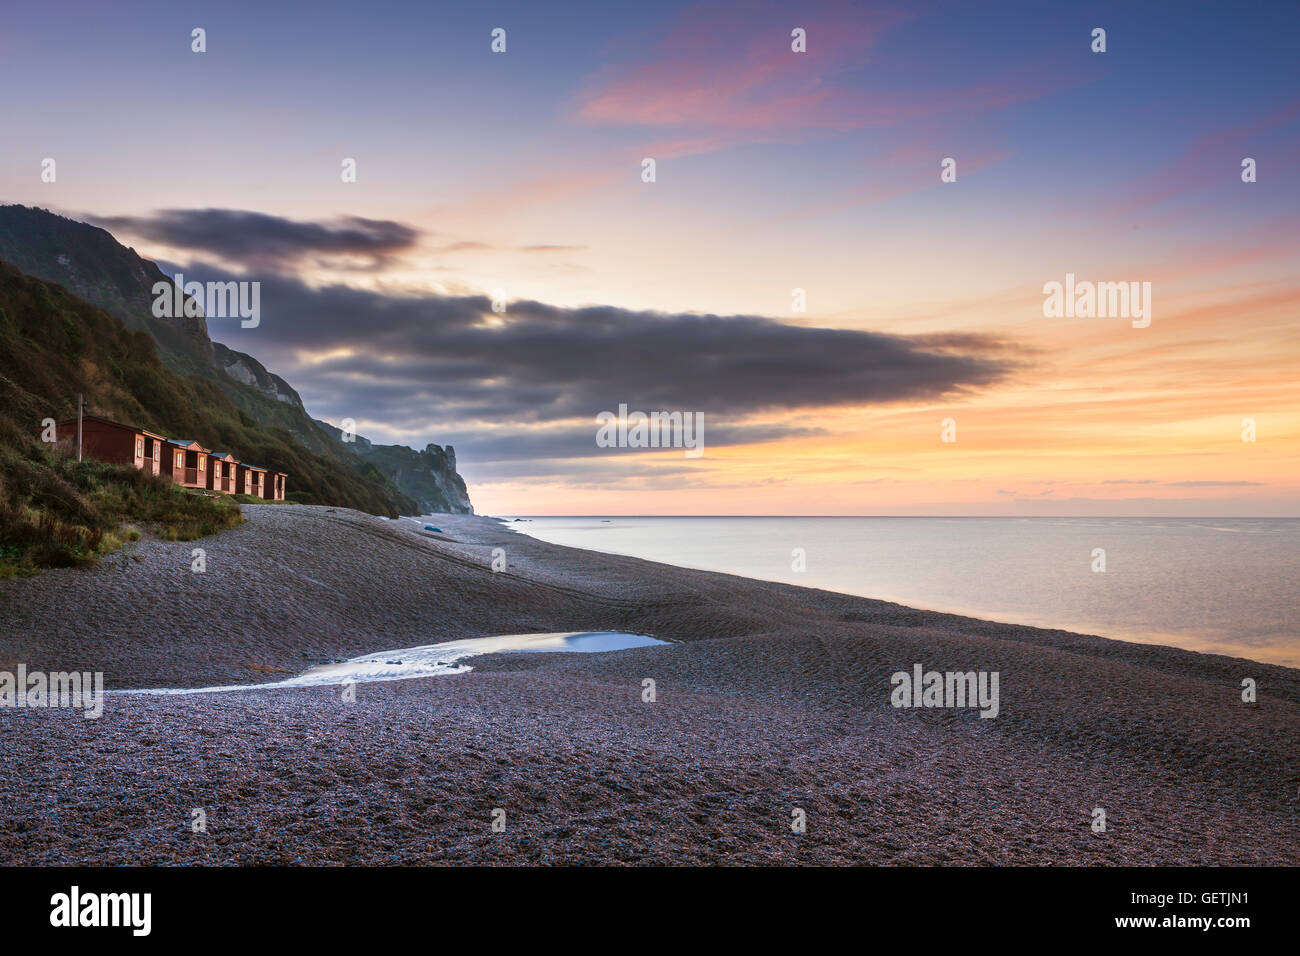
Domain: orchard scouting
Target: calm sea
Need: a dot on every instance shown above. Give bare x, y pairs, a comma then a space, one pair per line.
1224, 585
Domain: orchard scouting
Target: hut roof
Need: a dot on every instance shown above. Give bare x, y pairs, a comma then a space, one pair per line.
109, 421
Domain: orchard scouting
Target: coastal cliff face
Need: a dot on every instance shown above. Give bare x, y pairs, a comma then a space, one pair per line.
91, 264
249, 371
429, 476
58, 512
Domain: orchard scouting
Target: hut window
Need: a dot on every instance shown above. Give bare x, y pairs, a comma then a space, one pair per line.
139, 447
202, 463
180, 459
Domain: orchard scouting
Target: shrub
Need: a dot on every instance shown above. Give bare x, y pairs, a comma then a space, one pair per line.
58, 512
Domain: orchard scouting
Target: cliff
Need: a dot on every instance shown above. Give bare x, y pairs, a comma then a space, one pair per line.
428, 476
95, 267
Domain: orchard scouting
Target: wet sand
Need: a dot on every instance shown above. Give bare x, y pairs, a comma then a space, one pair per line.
771, 698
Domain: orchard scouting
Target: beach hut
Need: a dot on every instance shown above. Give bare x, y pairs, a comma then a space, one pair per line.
106, 440
185, 462
221, 472
251, 480
152, 451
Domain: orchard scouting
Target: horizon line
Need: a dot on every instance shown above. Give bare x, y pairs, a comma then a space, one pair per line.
1291, 517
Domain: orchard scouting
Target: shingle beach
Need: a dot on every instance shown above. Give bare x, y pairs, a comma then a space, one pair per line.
771, 699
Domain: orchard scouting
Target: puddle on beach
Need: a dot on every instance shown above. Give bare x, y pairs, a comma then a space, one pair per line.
433, 659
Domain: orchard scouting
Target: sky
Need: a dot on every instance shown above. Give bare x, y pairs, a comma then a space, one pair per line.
516, 178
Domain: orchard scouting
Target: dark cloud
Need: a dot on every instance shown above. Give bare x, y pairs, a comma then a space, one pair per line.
537, 362
526, 385
518, 393
255, 240
510, 447
260, 241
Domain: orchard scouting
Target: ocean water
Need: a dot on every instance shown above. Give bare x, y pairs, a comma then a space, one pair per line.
1221, 585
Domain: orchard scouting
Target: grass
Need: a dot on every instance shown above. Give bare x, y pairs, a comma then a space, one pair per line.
58, 512
54, 346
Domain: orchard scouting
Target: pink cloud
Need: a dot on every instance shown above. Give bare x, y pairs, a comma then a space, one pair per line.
725, 74
730, 66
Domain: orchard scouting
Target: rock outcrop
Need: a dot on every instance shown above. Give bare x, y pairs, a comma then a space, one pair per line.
429, 477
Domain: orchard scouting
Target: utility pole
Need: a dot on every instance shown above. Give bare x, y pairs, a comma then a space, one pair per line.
81, 404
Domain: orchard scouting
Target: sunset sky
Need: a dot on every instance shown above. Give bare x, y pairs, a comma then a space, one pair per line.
776, 170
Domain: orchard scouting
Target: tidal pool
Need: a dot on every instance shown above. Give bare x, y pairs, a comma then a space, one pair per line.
431, 660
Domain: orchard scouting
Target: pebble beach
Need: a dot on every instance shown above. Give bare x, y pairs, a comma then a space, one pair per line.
769, 702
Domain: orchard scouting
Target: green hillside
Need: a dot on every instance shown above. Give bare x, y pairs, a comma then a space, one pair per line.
90, 263
54, 346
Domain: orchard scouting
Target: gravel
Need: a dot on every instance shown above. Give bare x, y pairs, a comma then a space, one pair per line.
771, 700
